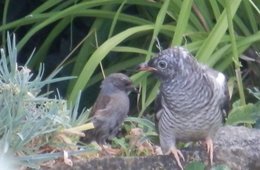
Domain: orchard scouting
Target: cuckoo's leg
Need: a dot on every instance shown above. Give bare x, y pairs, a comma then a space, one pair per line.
210, 149
177, 155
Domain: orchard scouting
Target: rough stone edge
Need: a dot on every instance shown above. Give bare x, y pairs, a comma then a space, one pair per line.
236, 147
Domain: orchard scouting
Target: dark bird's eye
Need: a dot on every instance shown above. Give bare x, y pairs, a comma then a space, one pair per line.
162, 64
127, 83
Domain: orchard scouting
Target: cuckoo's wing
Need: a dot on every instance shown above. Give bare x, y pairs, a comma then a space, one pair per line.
221, 80
226, 105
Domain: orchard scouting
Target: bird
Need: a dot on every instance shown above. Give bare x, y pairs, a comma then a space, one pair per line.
192, 102
110, 109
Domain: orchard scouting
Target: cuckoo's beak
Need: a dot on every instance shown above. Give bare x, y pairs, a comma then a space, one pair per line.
145, 67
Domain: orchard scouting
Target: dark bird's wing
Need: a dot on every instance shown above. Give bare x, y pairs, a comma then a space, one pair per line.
99, 108
101, 103
107, 116
107, 121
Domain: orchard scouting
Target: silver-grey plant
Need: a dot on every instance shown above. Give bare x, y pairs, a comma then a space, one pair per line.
28, 117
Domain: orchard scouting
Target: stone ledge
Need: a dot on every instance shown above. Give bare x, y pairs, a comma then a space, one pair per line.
236, 147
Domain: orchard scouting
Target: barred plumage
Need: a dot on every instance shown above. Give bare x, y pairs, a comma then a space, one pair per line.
191, 101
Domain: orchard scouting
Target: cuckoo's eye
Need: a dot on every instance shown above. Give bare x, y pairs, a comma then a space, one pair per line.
162, 64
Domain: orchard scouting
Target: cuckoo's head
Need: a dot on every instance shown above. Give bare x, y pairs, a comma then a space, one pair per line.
169, 63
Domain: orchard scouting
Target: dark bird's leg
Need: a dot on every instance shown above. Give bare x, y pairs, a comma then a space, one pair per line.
210, 149
104, 150
110, 151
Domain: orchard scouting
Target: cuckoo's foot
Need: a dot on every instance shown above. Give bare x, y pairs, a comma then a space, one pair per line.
210, 149
177, 154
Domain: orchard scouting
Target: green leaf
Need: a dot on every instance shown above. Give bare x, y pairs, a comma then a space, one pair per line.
244, 114
195, 166
43, 50
216, 34
182, 22
142, 121
150, 98
255, 92
98, 56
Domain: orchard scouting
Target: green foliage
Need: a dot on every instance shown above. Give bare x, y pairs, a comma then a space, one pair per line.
207, 28
200, 166
195, 165
144, 123
148, 134
246, 114
29, 119
255, 92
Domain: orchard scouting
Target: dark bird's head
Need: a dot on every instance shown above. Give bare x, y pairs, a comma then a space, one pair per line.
169, 63
117, 81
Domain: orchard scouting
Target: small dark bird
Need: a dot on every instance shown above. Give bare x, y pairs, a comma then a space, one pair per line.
192, 102
110, 108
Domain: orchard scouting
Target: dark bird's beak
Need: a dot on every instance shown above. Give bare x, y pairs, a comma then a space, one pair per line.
135, 90
145, 67
132, 88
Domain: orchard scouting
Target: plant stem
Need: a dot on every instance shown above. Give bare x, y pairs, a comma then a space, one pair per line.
235, 54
